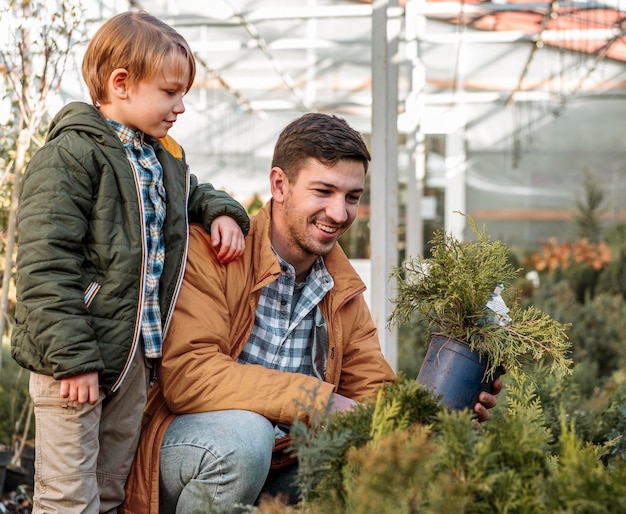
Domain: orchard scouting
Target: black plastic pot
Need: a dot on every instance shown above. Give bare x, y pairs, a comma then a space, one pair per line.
454, 372
5, 459
27, 461
17, 476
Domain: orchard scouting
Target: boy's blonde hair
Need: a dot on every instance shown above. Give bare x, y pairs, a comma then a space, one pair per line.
139, 43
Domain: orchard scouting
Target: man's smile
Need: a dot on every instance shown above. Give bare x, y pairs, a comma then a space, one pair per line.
326, 228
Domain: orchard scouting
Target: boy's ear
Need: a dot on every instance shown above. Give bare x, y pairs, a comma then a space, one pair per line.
278, 183
118, 83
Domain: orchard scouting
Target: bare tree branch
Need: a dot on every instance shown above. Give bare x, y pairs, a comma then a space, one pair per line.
36, 39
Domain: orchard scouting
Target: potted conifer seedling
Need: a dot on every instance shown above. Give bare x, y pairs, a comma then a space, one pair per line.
462, 292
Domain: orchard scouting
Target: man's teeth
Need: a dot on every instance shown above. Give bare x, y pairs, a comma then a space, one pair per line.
326, 228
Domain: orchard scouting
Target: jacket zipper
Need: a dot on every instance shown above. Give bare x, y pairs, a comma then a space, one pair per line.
332, 371
144, 266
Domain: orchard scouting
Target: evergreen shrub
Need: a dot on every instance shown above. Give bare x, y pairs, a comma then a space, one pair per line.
398, 461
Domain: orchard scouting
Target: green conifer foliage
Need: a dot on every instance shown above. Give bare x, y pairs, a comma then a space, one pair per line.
402, 453
450, 290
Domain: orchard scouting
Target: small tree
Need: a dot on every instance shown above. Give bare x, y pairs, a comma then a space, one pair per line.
589, 209
36, 37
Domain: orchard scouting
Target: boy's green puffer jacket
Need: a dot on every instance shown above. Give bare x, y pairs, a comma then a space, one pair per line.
81, 249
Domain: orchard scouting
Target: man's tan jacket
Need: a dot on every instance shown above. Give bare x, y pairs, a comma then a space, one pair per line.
212, 322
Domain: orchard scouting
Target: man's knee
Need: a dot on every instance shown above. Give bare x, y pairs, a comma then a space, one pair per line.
223, 455
247, 443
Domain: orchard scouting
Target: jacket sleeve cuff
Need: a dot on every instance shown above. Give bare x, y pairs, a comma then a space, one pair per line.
237, 213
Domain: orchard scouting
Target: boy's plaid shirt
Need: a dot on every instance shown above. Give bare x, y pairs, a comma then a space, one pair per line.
282, 333
149, 175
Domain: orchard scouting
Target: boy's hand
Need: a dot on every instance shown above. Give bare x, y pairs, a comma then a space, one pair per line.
227, 239
81, 388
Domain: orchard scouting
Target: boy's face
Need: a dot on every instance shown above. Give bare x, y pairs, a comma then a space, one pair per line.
153, 105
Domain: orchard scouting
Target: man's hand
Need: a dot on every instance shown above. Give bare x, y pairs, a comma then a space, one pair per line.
487, 401
81, 388
227, 238
340, 403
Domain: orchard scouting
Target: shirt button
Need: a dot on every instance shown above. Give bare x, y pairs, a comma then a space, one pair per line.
283, 302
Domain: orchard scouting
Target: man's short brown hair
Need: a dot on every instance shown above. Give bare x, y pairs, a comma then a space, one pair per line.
324, 137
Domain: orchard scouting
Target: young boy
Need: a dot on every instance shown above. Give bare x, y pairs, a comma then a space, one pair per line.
103, 223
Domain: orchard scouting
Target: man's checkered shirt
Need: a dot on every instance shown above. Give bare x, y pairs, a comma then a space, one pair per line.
282, 333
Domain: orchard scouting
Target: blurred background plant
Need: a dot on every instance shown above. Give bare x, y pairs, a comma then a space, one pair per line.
35, 44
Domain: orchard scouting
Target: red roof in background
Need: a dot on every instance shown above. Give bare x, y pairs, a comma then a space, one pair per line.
532, 18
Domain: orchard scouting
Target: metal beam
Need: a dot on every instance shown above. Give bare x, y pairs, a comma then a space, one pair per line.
414, 25
452, 8
284, 75
384, 175
515, 36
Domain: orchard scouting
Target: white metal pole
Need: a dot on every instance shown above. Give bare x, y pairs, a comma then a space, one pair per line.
414, 25
384, 173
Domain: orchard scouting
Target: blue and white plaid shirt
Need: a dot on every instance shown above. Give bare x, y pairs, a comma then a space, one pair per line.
283, 328
149, 176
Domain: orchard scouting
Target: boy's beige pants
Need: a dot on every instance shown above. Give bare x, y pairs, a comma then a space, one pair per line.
83, 452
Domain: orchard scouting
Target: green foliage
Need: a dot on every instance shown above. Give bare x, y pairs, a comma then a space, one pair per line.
580, 482
450, 289
512, 457
612, 279
583, 280
388, 477
319, 448
443, 464
609, 427
323, 443
597, 329
588, 209
594, 396
413, 338
255, 204
14, 398
615, 236
532, 336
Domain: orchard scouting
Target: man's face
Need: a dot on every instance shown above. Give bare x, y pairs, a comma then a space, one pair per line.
314, 211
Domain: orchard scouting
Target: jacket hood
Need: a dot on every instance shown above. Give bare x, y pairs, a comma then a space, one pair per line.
82, 117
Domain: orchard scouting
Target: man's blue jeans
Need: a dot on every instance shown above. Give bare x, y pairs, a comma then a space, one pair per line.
219, 459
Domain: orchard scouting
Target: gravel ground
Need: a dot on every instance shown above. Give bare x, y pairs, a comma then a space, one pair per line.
15, 503
17, 496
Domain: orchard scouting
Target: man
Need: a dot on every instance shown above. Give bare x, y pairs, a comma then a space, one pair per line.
251, 340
